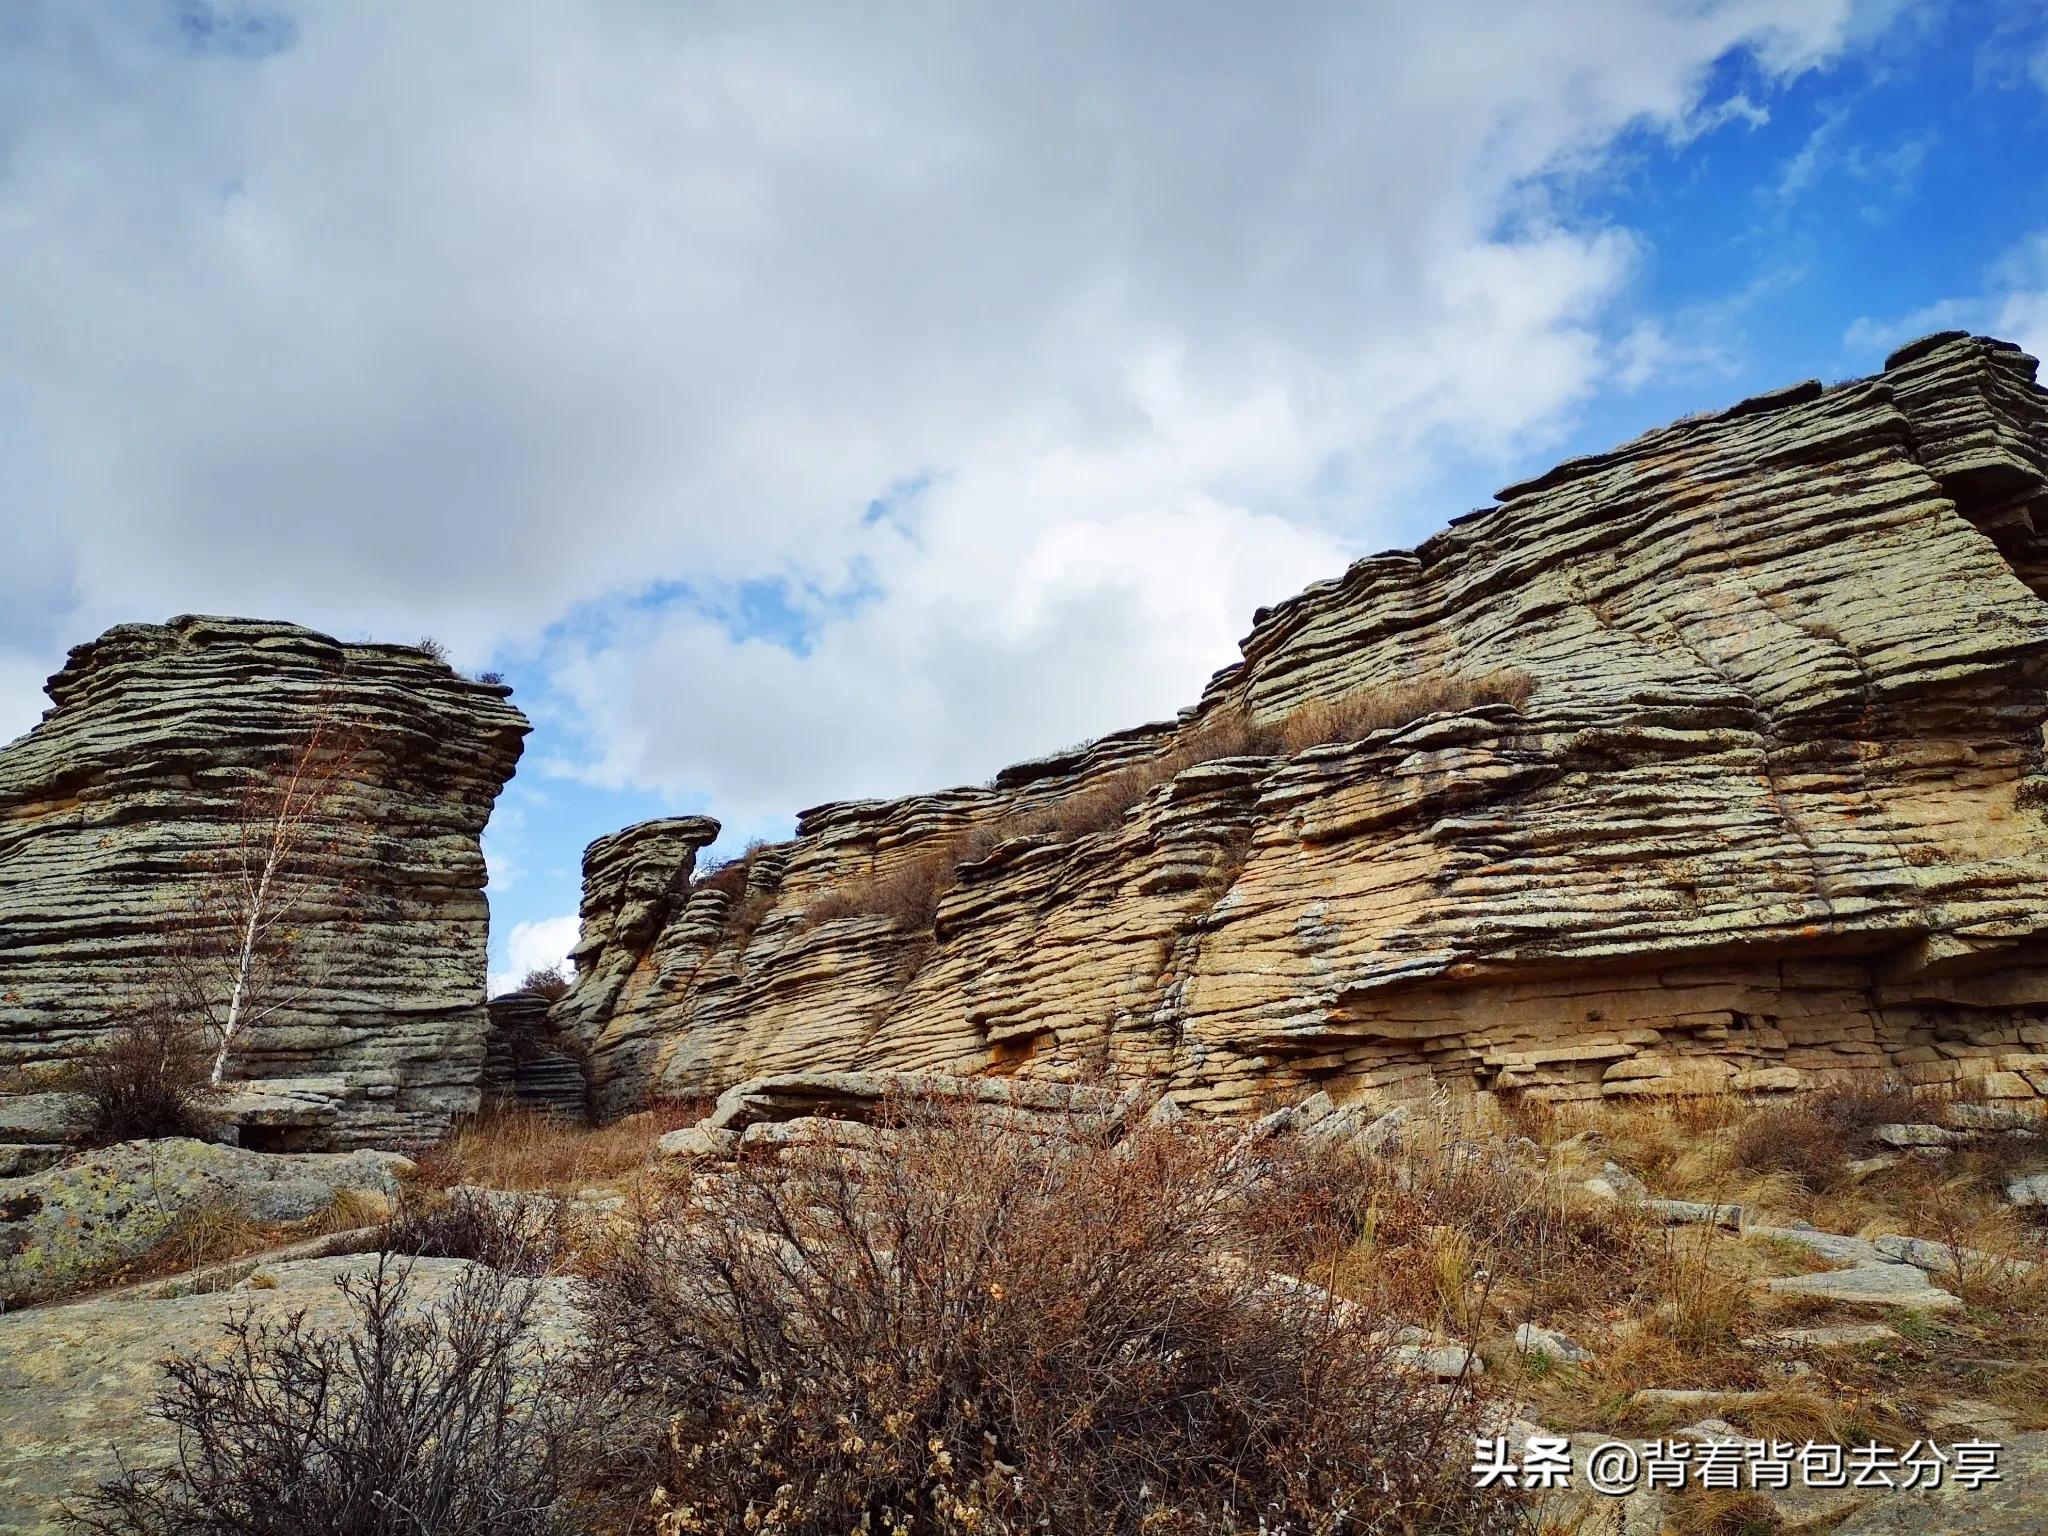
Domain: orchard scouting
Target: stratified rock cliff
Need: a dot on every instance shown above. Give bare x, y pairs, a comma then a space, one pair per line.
527, 1062
1732, 775
108, 809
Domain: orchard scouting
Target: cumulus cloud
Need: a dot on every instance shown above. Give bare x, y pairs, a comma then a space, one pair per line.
474, 319
537, 946
21, 694
2012, 306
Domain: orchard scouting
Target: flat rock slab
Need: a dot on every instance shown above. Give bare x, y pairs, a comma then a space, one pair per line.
1827, 1336
1695, 1213
1919, 1136
860, 1095
42, 1118
2016, 1505
1880, 1285
104, 1208
77, 1382
1942, 1259
1833, 1246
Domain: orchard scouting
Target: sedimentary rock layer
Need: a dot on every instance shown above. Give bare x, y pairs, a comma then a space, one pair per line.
527, 1062
1763, 808
112, 808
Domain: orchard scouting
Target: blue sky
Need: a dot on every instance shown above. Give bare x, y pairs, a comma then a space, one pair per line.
797, 406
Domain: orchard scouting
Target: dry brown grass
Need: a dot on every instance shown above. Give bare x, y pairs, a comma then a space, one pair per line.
1717, 1512
990, 1332
1698, 1300
1354, 716
908, 894
526, 1149
1463, 1235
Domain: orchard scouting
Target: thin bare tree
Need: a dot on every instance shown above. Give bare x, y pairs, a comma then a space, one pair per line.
278, 897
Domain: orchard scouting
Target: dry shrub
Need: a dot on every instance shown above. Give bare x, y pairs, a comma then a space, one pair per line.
521, 1148
733, 879
549, 983
426, 1417
520, 1234
992, 1333
907, 895
1813, 1138
1461, 1225
147, 1080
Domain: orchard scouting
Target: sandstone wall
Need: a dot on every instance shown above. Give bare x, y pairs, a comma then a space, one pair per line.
527, 1062
109, 807
1770, 813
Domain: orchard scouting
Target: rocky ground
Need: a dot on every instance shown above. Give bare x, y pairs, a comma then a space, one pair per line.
1716, 1272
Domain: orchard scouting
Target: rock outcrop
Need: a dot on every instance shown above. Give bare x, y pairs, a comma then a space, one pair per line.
1712, 761
530, 1064
62, 1228
111, 806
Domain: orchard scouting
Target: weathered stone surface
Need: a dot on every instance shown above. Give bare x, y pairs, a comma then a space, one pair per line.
1829, 1336
1837, 1247
1769, 815
109, 805
1533, 1339
529, 1062
38, 1129
1880, 1285
2031, 1190
1695, 1213
1947, 1259
2015, 1505
77, 1382
861, 1095
1918, 1136
60, 1227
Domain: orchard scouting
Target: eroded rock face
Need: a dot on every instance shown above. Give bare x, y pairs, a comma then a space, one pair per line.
529, 1063
1769, 813
109, 807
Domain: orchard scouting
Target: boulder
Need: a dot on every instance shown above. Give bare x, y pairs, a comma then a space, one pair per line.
1531, 1339
62, 1227
2030, 1190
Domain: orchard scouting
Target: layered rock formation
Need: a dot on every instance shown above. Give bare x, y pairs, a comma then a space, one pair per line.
111, 808
1725, 770
528, 1063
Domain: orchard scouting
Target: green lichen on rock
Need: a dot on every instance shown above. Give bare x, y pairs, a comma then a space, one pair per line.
62, 1227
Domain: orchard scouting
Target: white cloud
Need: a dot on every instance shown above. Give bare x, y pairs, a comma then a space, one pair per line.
21, 694
2012, 306
454, 318
537, 946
